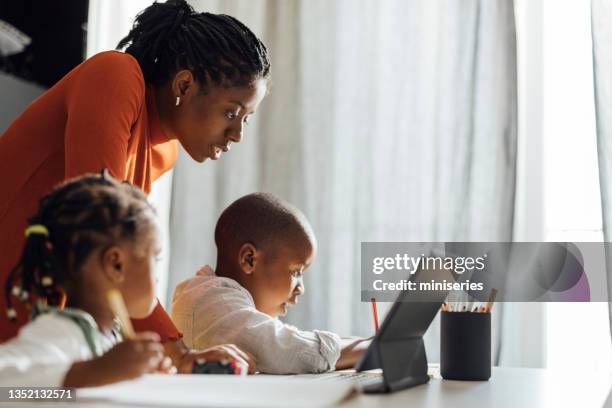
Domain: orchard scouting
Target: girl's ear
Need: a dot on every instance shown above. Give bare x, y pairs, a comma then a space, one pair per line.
247, 258
113, 264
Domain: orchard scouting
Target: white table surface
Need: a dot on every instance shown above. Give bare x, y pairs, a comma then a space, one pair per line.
508, 387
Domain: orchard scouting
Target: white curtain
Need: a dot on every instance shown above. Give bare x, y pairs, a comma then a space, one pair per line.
387, 121
108, 22
601, 26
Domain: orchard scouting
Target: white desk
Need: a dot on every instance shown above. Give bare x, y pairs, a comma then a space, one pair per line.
508, 387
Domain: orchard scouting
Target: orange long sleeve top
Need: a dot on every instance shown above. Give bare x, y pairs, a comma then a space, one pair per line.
100, 115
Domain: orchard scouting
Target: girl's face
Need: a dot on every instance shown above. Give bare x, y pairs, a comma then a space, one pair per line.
207, 123
138, 285
278, 278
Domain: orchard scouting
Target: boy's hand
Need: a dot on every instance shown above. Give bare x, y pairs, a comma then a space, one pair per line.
217, 353
126, 360
184, 358
351, 352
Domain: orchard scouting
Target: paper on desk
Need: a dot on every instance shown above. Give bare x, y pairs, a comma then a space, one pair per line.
220, 391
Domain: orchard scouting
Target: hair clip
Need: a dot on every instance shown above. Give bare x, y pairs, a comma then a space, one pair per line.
37, 229
24, 296
11, 313
16, 291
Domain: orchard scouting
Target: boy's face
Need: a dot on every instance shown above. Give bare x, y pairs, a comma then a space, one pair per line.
277, 279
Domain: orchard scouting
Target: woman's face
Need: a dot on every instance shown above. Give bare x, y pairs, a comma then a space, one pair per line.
207, 123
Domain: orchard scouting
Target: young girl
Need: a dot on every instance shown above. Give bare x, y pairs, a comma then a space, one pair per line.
90, 235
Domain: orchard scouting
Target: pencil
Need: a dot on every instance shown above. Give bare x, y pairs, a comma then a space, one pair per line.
120, 311
375, 314
491, 300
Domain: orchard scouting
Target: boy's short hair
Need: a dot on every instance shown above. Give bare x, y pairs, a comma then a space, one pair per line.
263, 220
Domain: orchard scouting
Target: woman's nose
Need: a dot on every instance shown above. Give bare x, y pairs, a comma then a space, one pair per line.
234, 133
300, 288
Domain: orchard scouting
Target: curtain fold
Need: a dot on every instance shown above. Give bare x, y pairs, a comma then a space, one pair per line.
601, 26
386, 121
108, 22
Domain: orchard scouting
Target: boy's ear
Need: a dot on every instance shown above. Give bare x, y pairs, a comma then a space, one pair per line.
113, 264
247, 258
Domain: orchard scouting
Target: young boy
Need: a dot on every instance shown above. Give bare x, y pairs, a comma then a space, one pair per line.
264, 245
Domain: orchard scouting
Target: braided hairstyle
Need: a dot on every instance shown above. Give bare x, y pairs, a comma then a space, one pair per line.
79, 216
217, 48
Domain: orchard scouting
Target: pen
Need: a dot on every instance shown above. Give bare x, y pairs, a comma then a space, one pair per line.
120, 311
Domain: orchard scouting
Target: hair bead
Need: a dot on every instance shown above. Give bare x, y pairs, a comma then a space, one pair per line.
46, 281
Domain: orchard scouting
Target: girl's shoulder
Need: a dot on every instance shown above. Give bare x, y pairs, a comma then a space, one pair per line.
55, 332
50, 325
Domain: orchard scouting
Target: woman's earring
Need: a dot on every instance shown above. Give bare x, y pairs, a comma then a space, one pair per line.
178, 101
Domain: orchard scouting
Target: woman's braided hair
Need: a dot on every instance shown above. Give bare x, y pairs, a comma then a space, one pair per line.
217, 48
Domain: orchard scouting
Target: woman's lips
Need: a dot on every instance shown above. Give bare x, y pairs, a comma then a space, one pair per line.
218, 149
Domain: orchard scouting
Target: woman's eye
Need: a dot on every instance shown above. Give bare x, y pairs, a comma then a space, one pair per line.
246, 120
230, 115
297, 274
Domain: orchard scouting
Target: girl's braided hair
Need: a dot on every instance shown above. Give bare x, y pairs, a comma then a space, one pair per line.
73, 220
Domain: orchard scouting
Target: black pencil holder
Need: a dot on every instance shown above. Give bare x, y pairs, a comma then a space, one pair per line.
465, 346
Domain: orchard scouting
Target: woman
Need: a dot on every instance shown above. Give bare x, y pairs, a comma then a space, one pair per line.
186, 77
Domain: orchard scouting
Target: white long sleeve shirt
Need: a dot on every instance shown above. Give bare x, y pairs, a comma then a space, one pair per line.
45, 349
212, 310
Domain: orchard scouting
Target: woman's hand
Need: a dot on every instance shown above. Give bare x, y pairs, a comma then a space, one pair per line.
166, 366
126, 360
184, 358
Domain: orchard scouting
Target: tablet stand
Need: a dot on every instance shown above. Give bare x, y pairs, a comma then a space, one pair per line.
403, 362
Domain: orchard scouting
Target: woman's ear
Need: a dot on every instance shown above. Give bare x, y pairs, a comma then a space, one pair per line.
247, 258
113, 264
183, 83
